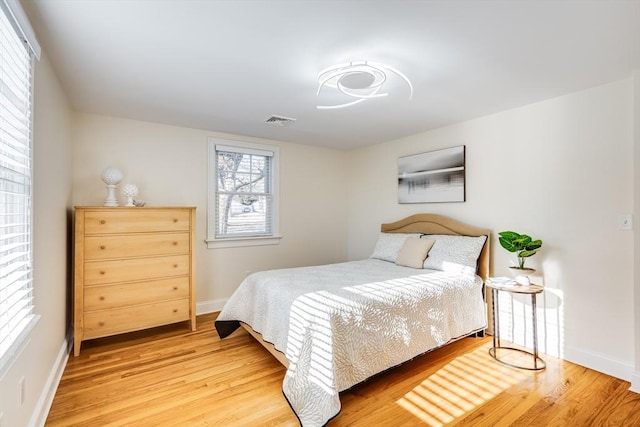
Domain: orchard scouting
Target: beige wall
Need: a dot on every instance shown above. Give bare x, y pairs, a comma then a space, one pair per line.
635, 380
51, 204
560, 170
169, 166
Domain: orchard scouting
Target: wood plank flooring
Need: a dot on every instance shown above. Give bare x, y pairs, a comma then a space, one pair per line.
170, 376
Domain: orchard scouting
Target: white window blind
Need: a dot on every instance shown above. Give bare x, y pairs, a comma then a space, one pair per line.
243, 199
243, 192
16, 293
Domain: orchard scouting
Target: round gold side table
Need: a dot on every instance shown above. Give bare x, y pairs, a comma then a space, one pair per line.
533, 290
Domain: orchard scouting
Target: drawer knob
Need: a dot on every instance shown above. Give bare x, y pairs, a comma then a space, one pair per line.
175, 243
175, 310
175, 265
175, 288
102, 247
101, 298
102, 221
100, 323
175, 219
102, 273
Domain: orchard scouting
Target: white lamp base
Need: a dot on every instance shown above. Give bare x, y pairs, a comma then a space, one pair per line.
111, 196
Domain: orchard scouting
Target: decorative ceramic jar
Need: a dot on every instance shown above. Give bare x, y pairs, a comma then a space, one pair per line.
130, 191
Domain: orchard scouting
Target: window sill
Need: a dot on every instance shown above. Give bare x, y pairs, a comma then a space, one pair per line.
242, 242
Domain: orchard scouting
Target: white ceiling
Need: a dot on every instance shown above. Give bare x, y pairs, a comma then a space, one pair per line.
227, 66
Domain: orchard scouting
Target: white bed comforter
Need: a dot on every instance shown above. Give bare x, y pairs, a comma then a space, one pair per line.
340, 324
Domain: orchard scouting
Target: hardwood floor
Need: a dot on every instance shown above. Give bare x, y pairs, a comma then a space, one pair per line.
170, 376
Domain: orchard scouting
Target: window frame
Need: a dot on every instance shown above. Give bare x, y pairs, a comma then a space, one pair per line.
274, 237
23, 325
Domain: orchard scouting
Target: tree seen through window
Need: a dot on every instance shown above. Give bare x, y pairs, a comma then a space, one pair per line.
243, 194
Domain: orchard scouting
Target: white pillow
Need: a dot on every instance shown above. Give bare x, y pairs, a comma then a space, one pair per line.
414, 251
455, 254
389, 244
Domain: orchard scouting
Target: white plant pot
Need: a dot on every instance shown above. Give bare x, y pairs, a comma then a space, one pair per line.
521, 275
517, 271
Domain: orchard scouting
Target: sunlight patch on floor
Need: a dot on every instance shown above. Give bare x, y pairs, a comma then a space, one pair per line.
459, 387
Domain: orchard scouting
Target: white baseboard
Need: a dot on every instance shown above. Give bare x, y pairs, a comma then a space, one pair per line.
41, 411
601, 363
210, 306
635, 382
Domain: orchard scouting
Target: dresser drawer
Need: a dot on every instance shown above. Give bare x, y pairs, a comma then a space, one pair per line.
102, 323
135, 221
128, 245
119, 295
124, 270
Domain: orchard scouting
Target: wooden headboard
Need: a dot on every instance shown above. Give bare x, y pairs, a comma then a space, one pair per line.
439, 224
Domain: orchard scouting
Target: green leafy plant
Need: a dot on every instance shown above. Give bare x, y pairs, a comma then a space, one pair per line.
524, 245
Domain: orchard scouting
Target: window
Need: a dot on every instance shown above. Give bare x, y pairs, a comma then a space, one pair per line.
243, 194
17, 316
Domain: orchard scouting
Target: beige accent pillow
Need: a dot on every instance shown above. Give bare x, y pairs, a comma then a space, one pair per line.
414, 251
389, 245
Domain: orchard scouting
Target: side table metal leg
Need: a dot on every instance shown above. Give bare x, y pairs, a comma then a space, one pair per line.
496, 317
535, 332
493, 318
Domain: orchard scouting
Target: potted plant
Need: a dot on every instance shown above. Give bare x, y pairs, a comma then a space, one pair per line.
524, 245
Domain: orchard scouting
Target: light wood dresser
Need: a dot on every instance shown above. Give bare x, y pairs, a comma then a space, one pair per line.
134, 269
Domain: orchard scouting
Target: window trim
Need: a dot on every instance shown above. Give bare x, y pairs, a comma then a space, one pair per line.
16, 17
241, 241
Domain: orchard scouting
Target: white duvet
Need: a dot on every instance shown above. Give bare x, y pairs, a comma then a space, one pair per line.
340, 324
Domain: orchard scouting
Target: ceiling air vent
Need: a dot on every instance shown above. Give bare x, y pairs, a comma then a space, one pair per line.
280, 121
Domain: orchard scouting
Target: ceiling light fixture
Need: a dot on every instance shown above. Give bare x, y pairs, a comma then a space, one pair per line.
358, 79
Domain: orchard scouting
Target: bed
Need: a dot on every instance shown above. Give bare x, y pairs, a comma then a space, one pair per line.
336, 325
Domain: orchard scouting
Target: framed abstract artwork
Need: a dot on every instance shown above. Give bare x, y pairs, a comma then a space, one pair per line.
432, 177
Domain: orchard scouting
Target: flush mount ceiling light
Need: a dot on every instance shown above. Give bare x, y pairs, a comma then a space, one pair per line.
361, 80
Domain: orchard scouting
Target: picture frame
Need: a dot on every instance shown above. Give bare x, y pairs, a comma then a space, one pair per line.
433, 177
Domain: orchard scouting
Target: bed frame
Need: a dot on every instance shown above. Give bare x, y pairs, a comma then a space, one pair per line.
418, 223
